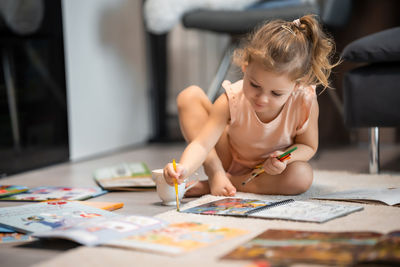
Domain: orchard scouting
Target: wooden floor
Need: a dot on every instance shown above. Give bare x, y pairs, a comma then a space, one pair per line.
352, 159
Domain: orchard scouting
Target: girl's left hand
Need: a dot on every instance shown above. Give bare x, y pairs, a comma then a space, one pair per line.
273, 165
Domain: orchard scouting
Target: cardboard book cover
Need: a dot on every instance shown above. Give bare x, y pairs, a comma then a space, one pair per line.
388, 196
286, 247
134, 176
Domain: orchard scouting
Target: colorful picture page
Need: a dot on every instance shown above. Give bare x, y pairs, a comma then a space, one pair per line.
178, 238
235, 206
286, 247
100, 230
124, 176
45, 193
6, 190
45, 216
15, 237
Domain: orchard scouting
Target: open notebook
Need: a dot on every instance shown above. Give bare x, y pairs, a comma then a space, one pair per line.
288, 209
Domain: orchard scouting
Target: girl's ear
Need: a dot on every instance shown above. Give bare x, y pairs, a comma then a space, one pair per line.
244, 66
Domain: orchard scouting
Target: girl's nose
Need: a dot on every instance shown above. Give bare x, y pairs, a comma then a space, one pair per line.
263, 99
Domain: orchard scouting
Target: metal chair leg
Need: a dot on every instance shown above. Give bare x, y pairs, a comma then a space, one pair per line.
221, 72
11, 95
374, 150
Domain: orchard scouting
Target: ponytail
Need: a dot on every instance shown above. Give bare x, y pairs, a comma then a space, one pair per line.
321, 51
299, 48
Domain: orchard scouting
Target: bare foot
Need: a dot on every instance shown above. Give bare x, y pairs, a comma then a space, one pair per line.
220, 185
200, 189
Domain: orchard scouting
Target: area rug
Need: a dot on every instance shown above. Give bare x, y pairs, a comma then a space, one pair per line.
380, 218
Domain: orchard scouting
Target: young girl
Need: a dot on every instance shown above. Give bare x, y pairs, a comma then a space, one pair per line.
273, 109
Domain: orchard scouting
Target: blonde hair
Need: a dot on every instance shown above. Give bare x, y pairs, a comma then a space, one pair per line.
300, 49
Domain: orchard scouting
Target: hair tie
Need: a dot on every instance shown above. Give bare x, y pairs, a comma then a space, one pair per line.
296, 22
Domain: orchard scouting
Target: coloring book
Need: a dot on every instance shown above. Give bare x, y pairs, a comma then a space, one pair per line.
6, 190
8, 235
388, 196
285, 210
45, 216
143, 233
45, 193
14, 237
287, 247
100, 230
178, 238
134, 176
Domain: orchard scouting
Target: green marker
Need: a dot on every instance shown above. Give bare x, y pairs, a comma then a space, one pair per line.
287, 152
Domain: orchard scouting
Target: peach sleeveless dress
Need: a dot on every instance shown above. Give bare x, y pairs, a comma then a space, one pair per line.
252, 141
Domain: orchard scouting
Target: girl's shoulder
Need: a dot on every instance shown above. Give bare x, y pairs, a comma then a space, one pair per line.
232, 87
304, 95
305, 91
234, 91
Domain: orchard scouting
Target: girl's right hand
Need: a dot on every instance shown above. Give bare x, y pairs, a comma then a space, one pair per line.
273, 165
170, 174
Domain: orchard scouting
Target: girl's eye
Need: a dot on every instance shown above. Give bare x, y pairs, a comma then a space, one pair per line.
254, 85
276, 94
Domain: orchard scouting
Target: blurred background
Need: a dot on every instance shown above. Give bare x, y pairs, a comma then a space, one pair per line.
81, 79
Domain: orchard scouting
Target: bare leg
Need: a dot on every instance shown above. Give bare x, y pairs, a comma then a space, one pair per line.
295, 179
194, 108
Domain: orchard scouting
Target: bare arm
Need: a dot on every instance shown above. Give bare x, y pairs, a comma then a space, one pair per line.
307, 144
196, 152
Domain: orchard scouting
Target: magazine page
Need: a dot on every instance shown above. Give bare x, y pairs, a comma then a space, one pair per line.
45, 216
6, 190
178, 238
44, 193
100, 230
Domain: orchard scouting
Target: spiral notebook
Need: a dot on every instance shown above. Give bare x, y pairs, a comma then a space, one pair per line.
236, 207
304, 211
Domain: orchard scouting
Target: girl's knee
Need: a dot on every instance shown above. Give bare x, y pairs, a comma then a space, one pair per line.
188, 95
300, 177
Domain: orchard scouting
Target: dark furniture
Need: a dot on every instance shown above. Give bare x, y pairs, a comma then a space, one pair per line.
372, 90
33, 103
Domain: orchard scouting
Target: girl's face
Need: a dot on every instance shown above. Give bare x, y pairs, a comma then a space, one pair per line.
266, 91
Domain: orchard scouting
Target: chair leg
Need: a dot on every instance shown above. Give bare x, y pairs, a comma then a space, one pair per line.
374, 150
12, 97
221, 72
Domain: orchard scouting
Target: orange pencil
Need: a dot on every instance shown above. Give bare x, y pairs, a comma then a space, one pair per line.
285, 157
